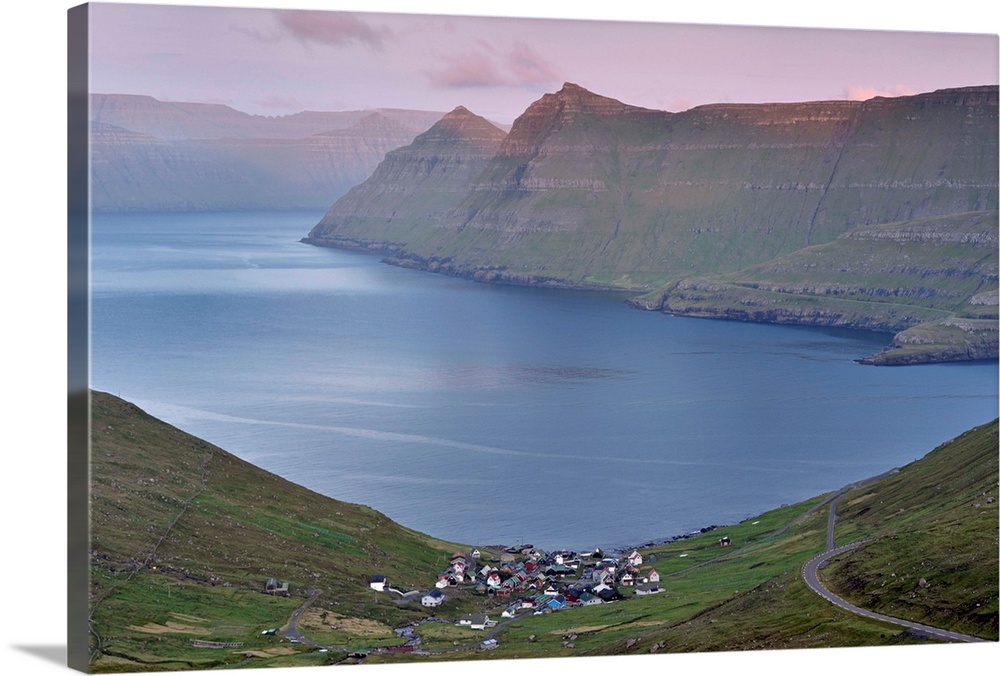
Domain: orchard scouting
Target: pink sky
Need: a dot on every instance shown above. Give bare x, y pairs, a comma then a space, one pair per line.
279, 61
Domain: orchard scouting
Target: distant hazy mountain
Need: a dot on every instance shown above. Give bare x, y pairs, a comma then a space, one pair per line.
151, 155
586, 191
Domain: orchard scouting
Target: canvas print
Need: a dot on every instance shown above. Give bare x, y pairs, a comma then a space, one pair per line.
413, 339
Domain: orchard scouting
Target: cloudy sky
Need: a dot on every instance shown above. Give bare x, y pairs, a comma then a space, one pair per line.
281, 60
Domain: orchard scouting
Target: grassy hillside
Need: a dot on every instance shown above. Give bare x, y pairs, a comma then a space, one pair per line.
184, 536
932, 280
933, 525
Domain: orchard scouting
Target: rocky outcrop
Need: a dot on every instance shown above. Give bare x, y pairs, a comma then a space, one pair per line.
954, 339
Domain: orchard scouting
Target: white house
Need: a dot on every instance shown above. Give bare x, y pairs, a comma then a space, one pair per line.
635, 559
377, 582
432, 598
473, 621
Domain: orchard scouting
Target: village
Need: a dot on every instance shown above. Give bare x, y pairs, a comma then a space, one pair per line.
526, 580
512, 583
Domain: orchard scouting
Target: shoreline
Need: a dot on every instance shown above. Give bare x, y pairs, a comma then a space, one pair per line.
892, 354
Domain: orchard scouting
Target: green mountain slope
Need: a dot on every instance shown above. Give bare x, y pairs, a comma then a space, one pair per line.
588, 191
184, 536
933, 555
932, 281
403, 200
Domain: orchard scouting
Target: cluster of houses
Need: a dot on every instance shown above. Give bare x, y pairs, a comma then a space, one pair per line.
539, 581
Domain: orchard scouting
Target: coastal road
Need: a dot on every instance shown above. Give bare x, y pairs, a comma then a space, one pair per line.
810, 575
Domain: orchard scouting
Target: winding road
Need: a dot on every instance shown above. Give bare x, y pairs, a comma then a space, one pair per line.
809, 574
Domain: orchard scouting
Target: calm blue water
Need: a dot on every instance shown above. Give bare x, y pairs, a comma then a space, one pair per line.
487, 414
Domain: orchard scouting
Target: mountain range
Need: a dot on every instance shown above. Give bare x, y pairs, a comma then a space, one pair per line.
878, 214
151, 155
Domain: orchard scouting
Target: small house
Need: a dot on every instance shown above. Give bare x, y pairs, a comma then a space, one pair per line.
432, 598
653, 576
608, 594
725, 541
476, 621
647, 589
635, 559
377, 582
273, 586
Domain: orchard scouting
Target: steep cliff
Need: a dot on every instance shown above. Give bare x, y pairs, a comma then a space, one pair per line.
588, 191
415, 190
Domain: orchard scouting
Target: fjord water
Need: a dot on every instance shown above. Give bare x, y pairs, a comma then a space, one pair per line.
490, 414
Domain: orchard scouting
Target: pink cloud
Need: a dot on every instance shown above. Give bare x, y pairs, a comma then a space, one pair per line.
528, 67
330, 28
492, 67
855, 93
467, 70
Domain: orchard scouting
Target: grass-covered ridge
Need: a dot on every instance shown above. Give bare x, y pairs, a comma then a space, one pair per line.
180, 527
